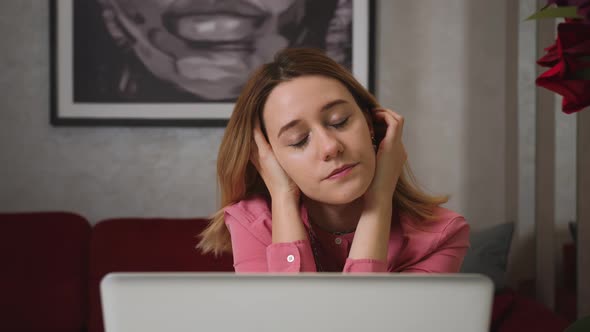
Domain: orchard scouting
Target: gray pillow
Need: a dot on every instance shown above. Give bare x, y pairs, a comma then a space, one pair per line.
488, 253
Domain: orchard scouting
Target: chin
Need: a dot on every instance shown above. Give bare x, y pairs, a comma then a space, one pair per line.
338, 196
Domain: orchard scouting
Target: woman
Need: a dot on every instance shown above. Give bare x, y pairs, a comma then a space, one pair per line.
313, 177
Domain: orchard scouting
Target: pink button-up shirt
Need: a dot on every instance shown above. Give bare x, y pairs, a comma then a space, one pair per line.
414, 246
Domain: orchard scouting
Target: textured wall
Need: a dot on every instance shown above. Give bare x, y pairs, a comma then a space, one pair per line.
440, 65
98, 172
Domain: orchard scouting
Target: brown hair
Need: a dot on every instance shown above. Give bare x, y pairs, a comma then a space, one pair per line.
237, 177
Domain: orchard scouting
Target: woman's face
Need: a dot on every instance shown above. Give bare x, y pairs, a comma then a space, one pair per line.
206, 47
321, 138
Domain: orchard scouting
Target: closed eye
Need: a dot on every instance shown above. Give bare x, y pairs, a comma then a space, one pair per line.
300, 144
340, 124
303, 142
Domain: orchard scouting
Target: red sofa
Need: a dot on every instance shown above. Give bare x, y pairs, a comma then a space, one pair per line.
44, 279
53, 263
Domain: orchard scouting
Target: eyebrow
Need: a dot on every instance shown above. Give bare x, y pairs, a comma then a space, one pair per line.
324, 108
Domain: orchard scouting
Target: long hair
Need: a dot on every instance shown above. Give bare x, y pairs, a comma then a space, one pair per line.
238, 178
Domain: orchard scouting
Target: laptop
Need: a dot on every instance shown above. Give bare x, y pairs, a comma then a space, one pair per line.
187, 301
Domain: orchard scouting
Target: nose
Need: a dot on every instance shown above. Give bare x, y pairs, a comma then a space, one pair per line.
330, 145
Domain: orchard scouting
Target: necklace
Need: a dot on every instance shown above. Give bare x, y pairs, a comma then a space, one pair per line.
332, 232
314, 242
342, 233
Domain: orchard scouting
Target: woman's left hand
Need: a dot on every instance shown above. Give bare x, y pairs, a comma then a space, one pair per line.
391, 156
371, 238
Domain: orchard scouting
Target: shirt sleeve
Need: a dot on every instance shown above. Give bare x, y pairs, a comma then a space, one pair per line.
448, 254
364, 266
251, 255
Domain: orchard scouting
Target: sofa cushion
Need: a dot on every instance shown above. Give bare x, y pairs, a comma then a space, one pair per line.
43, 284
145, 244
526, 314
488, 253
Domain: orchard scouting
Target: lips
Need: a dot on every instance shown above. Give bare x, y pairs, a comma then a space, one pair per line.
237, 7
341, 169
213, 22
219, 27
213, 67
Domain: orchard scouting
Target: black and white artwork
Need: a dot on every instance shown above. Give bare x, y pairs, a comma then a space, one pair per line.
184, 62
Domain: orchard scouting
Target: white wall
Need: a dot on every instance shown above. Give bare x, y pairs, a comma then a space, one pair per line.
442, 65
97, 172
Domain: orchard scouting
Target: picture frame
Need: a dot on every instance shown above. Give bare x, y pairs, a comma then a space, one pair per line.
100, 78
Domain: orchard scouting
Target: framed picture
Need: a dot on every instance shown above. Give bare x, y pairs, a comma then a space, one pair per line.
183, 63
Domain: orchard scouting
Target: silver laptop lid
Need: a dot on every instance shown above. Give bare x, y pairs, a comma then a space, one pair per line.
158, 302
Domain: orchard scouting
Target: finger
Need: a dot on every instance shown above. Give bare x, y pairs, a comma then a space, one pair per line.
254, 152
254, 157
260, 140
379, 126
398, 121
397, 116
391, 124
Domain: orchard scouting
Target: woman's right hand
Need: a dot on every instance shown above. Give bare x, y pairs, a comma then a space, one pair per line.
275, 178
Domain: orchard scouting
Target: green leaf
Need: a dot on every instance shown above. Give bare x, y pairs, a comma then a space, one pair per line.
555, 12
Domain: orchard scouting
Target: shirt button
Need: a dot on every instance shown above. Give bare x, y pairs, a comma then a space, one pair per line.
338, 240
290, 258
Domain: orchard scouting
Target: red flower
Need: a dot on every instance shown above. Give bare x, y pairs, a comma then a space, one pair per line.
551, 58
569, 58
